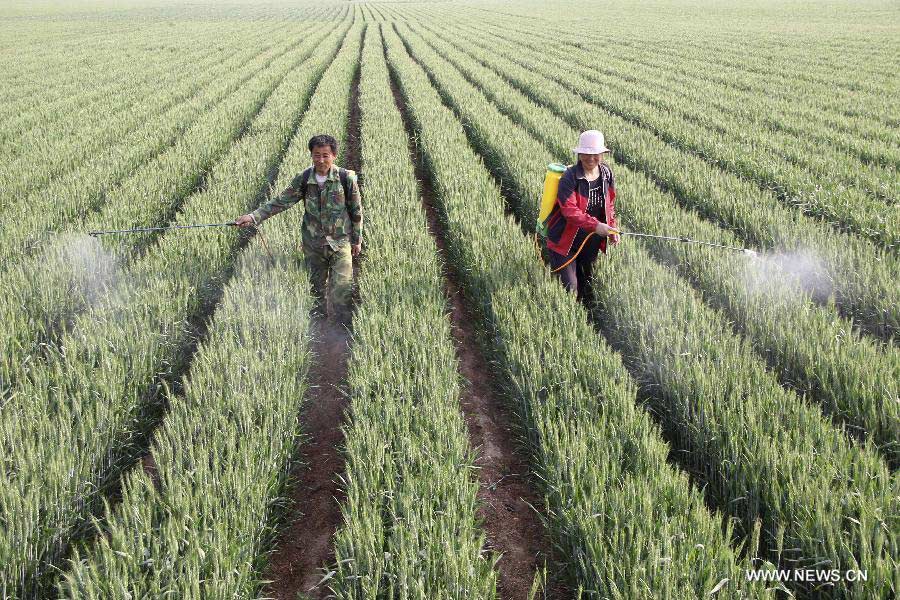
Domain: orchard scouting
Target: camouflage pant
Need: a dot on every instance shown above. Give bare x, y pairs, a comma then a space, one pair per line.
325, 266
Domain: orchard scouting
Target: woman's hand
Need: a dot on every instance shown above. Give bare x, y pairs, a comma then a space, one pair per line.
604, 230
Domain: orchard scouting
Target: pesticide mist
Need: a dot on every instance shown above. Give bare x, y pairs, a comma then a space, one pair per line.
83, 265
781, 272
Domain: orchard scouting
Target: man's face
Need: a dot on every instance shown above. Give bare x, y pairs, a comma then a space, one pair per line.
322, 158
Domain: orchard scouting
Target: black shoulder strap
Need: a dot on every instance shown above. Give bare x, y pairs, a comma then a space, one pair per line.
345, 182
304, 181
607, 174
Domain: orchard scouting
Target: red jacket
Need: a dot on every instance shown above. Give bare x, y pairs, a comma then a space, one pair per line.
569, 215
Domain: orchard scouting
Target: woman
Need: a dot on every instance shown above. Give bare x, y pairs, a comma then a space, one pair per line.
583, 218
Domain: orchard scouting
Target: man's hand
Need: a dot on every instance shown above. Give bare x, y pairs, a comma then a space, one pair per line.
355, 249
245, 221
604, 230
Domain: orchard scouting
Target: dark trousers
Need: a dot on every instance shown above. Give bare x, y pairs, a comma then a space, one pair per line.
576, 276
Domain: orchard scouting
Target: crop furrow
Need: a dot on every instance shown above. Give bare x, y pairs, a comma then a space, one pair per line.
507, 503
66, 430
810, 348
303, 543
45, 293
743, 435
860, 276
732, 150
600, 459
50, 153
223, 452
409, 527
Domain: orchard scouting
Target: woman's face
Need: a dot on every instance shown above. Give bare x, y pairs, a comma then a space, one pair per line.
589, 162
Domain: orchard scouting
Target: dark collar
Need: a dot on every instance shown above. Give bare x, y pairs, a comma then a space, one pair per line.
579, 170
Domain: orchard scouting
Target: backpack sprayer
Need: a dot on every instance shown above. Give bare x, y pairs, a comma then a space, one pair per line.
262, 238
548, 201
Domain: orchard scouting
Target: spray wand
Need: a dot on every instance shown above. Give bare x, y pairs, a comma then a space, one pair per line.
262, 238
746, 251
142, 229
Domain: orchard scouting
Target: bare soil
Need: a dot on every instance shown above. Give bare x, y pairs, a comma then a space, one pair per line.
148, 464
506, 494
353, 160
512, 526
304, 546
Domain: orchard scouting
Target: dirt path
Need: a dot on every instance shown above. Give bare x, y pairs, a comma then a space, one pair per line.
304, 546
513, 528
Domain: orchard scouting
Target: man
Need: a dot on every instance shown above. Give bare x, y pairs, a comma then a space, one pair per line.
332, 224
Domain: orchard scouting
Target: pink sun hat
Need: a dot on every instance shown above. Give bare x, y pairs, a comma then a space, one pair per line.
591, 142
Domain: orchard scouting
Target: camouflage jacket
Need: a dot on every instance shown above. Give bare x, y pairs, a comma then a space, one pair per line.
329, 218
